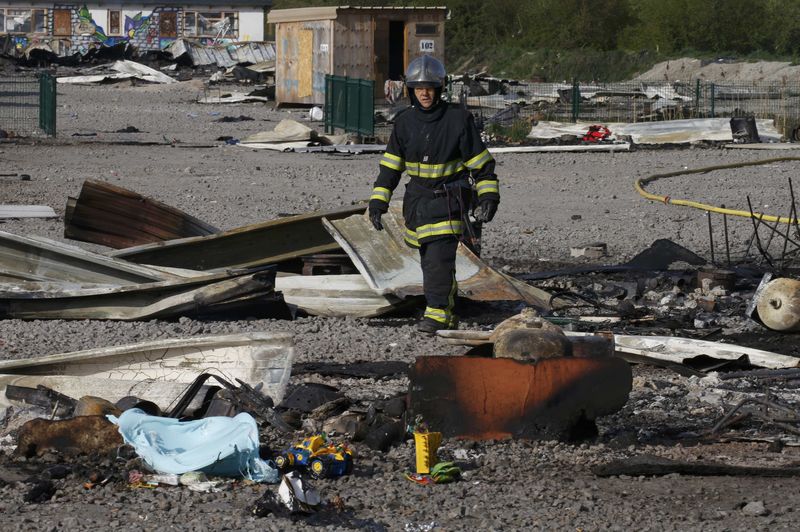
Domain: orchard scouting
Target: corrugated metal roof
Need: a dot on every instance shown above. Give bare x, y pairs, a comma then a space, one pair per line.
328, 13
224, 55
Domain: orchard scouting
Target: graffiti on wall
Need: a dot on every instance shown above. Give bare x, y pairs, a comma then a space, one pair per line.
88, 27
139, 24
20, 42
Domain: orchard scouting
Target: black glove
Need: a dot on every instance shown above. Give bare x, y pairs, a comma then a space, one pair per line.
486, 210
375, 218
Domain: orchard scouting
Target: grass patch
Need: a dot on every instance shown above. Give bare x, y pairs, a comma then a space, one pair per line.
515, 133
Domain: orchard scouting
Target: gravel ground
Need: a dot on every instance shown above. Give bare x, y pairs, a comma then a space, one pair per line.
549, 203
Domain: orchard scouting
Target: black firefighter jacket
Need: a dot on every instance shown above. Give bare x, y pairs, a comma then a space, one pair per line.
439, 149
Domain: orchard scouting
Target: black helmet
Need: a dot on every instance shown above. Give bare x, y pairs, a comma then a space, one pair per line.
425, 71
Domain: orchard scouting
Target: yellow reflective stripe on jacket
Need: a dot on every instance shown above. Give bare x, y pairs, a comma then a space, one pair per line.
448, 227
411, 238
434, 171
381, 193
477, 162
486, 186
393, 161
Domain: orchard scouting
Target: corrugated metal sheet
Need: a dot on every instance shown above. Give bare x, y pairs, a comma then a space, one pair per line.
41, 279
391, 267
224, 55
252, 245
334, 295
118, 218
26, 211
27, 259
171, 365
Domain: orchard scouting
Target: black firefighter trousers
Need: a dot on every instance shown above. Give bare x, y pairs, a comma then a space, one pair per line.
438, 258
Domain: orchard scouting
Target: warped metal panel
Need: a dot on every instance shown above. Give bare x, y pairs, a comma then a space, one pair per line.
28, 259
335, 295
391, 267
165, 299
130, 369
26, 211
252, 245
116, 217
248, 356
224, 55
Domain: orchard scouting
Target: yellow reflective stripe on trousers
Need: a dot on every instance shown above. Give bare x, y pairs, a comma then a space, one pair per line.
393, 161
440, 315
487, 186
451, 298
434, 171
448, 227
479, 160
381, 193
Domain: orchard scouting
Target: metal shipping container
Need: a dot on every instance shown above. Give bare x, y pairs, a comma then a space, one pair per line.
374, 43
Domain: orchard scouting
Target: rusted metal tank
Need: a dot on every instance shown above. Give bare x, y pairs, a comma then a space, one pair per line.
779, 305
492, 398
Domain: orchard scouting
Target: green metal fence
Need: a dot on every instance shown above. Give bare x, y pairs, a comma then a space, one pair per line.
28, 105
47, 104
636, 101
350, 105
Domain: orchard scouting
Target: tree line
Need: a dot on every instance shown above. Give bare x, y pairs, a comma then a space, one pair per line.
498, 31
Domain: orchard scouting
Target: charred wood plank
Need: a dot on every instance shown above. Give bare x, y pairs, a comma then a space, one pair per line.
648, 465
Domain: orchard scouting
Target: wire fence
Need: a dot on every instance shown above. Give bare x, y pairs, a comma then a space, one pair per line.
19, 106
635, 101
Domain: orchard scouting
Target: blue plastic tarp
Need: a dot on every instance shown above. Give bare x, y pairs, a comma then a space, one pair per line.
221, 446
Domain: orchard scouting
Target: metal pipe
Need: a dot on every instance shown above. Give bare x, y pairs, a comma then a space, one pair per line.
727, 241
710, 237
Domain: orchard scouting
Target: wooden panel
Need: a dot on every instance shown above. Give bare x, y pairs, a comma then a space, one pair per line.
415, 41
355, 49
322, 53
168, 25
303, 51
62, 22
305, 63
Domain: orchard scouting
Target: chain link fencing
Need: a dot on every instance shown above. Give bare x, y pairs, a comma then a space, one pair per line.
28, 105
498, 101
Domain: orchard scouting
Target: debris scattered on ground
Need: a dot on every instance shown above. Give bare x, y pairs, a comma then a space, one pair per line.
232, 97
656, 466
240, 118
318, 457
119, 70
159, 371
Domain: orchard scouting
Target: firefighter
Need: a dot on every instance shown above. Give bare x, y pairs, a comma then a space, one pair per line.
451, 174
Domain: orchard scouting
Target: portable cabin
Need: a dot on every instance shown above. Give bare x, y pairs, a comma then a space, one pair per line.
374, 43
